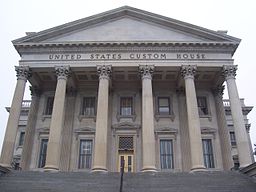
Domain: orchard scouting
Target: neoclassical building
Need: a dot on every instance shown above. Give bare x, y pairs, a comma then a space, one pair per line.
127, 85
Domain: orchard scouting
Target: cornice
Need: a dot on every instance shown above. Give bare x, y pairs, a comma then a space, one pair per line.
221, 47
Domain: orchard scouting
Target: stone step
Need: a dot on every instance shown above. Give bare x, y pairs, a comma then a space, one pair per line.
28, 181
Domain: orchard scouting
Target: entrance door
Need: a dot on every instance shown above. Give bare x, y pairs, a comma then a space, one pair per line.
127, 157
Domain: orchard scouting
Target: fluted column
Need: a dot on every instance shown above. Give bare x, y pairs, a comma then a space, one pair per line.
197, 162
148, 136
30, 129
229, 71
23, 73
223, 129
54, 143
100, 153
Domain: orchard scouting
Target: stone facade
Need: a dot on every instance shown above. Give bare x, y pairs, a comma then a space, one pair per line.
127, 85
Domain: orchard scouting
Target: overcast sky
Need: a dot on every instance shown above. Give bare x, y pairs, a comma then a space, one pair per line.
236, 16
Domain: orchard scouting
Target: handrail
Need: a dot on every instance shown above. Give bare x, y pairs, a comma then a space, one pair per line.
122, 175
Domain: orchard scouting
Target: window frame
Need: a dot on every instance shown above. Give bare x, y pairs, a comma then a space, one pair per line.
48, 107
121, 95
79, 167
233, 141
159, 115
172, 165
210, 155
128, 99
81, 106
21, 138
40, 163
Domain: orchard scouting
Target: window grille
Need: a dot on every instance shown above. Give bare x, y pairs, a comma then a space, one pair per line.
125, 143
232, 138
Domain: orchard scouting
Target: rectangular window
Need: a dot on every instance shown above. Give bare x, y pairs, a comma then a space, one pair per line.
208, 153
43, 150
85, 154
89, 106
126, 106
163, 105
166, 154
202, 106
232, 138
22, 137
49, 106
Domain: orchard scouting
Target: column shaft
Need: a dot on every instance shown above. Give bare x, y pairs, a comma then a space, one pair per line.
197, 162
223, 129
30, 129
237, 116
100, 153
13, 121
53, 148
148, 136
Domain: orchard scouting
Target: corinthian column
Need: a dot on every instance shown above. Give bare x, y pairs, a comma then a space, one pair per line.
100, 153
223, 130
194, 129
30, 129
148, 137
23, 73
243, 148
53, 148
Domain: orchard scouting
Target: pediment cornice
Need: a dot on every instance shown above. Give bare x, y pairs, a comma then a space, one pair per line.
229, 47
130, 12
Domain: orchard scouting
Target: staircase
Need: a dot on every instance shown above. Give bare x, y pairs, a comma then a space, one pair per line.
28, 181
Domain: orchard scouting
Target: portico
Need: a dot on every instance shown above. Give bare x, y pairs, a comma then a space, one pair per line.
102, 100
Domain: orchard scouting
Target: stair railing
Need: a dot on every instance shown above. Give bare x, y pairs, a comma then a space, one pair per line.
122, 175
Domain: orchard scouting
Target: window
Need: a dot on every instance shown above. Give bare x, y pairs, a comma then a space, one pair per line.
85, 154
208, 153
163, 105
166, 154
89, 106
126, 106
22, 137
49, 106
202, 106
43, 150
232, 138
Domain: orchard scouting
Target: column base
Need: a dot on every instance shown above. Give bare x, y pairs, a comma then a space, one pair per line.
198, 168
8, 166
99, 169
51, 168
149, 169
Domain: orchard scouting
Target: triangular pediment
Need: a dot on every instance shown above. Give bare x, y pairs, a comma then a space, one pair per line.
126, 24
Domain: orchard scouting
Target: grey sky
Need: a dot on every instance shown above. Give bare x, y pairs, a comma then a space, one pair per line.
236, 16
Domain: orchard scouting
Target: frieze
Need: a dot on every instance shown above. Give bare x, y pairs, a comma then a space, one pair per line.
127, 56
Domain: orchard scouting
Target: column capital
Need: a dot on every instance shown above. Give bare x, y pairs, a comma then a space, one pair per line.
104, 71
219, 91
34, 91
188, 71
23, 72
146, 71
229, 71
62, 72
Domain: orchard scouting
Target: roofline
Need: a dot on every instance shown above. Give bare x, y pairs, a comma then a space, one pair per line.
132, 12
